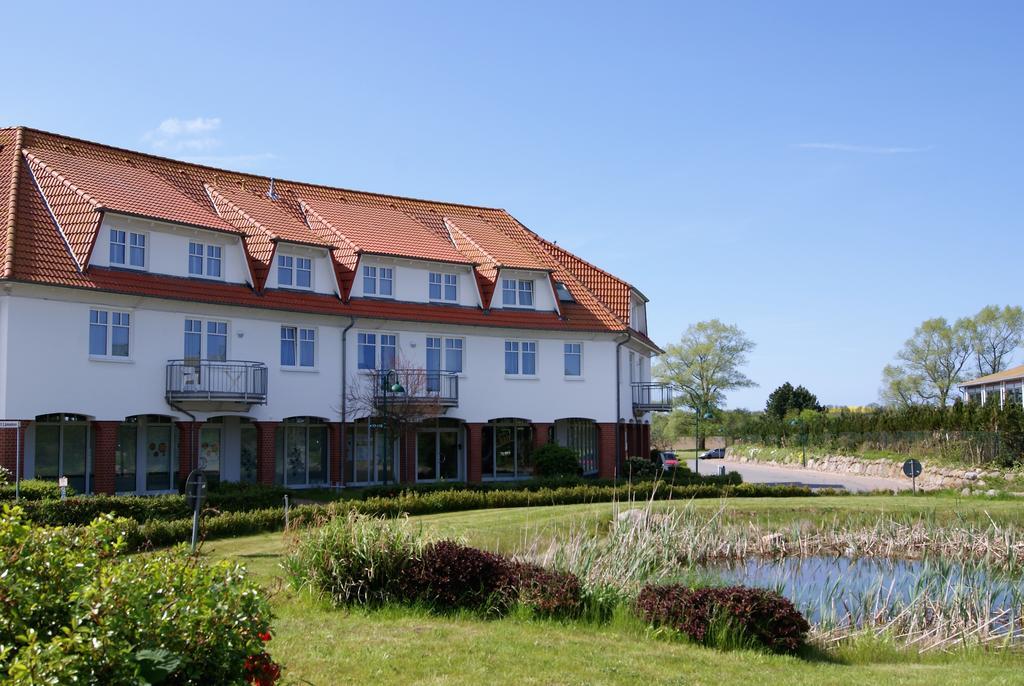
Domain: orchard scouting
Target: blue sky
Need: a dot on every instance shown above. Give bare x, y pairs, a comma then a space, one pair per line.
822, 175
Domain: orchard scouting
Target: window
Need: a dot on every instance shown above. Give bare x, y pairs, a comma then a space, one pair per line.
573, 359
298, 347
444, 287
579, 435
378, 281
521, 358
446, 350
562, 291
62, 449
216, 341
301, 452
368, 355
211, 266
128, 249
453, 355
109, 334
303, 272
517, 292
507, 448
285, 270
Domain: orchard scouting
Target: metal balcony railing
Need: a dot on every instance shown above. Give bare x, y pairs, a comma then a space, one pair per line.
652, 397
418, 385
225, 381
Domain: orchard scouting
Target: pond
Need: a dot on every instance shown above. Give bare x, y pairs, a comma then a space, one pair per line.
857, 591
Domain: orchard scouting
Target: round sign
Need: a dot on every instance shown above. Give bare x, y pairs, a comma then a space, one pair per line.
912, 468
195, 489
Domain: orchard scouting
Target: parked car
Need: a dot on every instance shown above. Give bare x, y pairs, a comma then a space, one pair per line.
714, 454
669, 461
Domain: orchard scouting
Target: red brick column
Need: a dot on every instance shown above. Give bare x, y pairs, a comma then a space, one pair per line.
645, 441
635, 446
606, 450
474, 452
104, 463
9, 443
407, 461
335, 452
188, 438
266, 451
540, 433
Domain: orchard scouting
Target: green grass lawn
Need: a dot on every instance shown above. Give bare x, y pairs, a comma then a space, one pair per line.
321, 645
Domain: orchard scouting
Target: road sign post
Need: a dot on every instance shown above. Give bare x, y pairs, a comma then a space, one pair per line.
913, 469
195, 494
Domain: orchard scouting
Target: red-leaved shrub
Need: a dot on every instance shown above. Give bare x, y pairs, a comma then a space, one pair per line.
451, 576
549, 593
763, 616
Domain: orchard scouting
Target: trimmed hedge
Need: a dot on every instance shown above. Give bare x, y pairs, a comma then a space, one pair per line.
707, 615
33, 489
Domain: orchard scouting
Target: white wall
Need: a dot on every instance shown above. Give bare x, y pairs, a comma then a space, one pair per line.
167, 247
411, 279
543, 295
323, 281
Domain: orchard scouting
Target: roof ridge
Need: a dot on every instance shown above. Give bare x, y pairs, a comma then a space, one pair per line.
489, 256
251, 175
348, 241
63, 179
7, 269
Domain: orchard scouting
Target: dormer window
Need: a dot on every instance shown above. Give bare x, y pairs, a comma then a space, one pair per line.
128, 249
517, 292
563, 293
379, 281
204, 260
294, 272
444, 287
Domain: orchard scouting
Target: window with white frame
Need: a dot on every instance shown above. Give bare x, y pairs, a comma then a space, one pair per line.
444, 354
298, 347
521, 358
377, 351
213, 346
443, 287
109, 334
294, 272
128, 249
517, 292
205, 260
379, 281
573, 354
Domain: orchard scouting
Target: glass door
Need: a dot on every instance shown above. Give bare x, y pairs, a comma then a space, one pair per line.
426, 456
209, 451
448, 454
126, 458
247, 453
438, 455
158, 458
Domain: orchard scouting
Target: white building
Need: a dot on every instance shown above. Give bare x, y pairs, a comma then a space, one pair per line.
157, 317
999, 388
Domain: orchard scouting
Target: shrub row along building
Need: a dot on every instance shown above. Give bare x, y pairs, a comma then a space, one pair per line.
159, 317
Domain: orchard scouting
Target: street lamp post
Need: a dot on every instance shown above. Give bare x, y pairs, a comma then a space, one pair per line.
696, 439
386, 385
803, 439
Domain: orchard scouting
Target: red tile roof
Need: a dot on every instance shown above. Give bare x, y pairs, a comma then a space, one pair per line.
77, 178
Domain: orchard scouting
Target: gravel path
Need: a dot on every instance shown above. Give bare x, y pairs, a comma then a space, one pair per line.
769, 474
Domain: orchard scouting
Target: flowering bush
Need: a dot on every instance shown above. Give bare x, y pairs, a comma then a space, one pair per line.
76, 610
705, 614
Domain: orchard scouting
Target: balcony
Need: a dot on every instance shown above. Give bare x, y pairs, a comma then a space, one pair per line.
216, 385
419, 387
651, 397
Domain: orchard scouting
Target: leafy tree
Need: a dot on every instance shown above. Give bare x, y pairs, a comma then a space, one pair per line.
706, 363
930, 363
995, 334
785, 398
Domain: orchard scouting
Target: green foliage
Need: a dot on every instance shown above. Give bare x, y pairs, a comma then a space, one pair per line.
786, 399
640, 469
930, 363
76, 610
33, 489
706, 363
355, 559
994, 335
553, 460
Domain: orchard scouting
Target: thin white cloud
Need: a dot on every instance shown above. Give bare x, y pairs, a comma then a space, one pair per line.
192, 135
870, 149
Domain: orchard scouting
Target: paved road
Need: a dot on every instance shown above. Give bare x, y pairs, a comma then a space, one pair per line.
762, 474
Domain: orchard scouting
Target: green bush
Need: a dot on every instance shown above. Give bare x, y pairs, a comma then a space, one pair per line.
76, 610
639, 469
33, 489
553, 460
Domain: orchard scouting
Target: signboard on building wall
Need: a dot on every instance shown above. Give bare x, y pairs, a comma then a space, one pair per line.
9, 424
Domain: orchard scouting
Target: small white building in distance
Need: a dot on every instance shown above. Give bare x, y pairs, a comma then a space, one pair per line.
1002, 387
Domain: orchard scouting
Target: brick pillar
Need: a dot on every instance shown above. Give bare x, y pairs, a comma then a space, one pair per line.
9, 444
407, 457
635, 447
104, 464
335, 452
188, 438
266, 451
606, 450
474, 452
540, 433
645, 440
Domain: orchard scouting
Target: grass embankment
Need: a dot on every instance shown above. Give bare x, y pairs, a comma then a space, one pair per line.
321, 645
